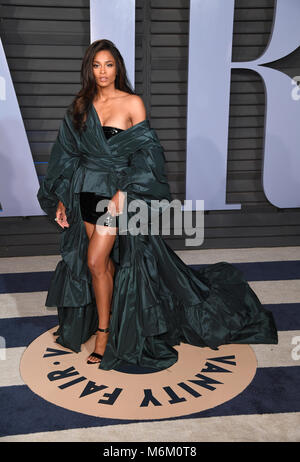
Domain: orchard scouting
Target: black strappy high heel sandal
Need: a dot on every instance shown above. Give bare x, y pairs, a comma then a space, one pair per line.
97, 355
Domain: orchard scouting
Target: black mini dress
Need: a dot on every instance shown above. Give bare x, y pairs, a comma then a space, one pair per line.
89, 200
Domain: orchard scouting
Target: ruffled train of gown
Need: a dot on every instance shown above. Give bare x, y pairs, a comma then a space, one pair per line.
159, 301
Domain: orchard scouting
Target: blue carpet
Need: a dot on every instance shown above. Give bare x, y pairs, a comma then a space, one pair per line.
37, 281
256, 271
19, 332
24, 412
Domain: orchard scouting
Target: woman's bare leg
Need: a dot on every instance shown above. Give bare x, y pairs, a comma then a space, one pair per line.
101, 241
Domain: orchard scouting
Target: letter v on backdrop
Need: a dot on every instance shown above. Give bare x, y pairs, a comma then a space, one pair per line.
210, 46
18, 178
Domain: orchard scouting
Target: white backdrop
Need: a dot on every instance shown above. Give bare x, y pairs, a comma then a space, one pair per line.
210, 45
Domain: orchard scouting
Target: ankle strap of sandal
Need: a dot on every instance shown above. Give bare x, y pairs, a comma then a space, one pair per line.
104, 330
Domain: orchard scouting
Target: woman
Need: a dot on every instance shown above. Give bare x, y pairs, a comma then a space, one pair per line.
130, 289
115, 108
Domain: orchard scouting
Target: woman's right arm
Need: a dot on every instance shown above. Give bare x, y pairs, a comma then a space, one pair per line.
54, 194
61, 217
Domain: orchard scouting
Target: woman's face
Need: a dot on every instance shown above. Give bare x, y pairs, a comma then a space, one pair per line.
104, 68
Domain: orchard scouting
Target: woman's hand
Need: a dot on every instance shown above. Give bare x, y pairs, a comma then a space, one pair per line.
61, 217
116, 204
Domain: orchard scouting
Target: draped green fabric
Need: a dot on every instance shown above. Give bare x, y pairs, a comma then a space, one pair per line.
158, 301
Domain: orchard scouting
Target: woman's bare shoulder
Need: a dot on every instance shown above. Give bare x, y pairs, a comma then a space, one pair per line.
135, 100
136, 108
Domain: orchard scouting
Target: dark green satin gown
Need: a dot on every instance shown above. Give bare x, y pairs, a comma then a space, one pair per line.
158, 301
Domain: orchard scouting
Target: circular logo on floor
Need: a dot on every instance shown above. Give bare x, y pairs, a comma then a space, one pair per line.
201, 379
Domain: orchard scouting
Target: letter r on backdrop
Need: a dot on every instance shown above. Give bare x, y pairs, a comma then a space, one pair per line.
210, 49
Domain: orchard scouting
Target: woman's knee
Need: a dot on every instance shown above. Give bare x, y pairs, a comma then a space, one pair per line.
98, 266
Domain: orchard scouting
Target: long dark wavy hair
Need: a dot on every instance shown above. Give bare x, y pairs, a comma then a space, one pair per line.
86, 95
